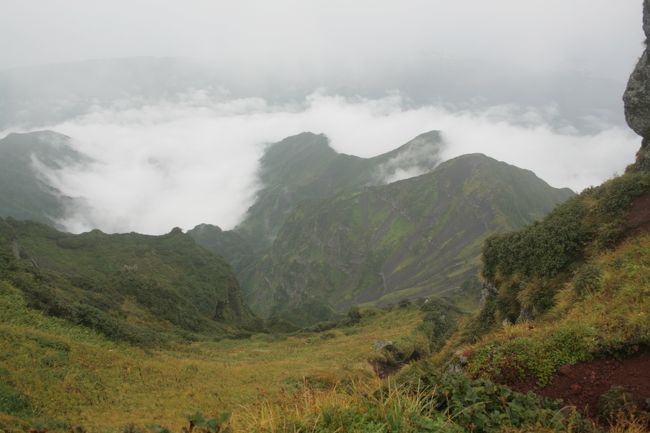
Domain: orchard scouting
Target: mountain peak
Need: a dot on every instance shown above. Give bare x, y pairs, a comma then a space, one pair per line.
418, 156
300, 142
426, 139
207, 227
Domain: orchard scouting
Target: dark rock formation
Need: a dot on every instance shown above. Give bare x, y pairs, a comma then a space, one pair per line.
637, 98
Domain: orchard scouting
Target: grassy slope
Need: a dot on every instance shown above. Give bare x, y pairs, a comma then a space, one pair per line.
403, 240
305, 167
128, 286
580, 279
57, 373
612, 316
590, 258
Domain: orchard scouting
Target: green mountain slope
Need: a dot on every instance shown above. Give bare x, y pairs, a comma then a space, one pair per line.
24, 193
239, 251
127, 286
408, 239
306, 167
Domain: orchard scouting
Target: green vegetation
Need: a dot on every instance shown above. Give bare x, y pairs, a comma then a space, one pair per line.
304, 167
573, 287
130, 287
612, 319
58, 375
411, 238
529, 266
131, 332
422, 400
24, 192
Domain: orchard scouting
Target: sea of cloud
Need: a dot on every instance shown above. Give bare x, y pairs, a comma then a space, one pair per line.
194, 160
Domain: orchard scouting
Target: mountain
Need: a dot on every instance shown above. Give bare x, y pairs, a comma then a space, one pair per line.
239, 251
304, 167
407, 239
25, 193
128, 286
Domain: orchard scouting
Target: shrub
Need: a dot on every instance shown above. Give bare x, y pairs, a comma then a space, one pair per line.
587, 279
354, 315
201, 424
529, 266
616, 404
482, 406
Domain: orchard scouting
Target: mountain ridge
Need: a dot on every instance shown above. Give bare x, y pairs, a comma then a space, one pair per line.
24, 191
389, 242
305, 166
133, 287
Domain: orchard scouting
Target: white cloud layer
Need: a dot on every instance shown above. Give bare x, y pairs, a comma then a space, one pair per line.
194, 161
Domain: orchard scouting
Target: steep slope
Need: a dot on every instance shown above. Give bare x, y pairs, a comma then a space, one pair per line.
574, 287
567, 305
239, 251
24, 192
127, 286
411, 238
305, 167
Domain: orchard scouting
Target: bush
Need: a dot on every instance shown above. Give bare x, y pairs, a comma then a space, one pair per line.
482, 322
587, 279
354, 315
529, 266
524, 357
616, 404
482, 406
440, 321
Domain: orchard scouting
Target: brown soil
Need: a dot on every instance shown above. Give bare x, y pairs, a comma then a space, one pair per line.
582, 384
638, 219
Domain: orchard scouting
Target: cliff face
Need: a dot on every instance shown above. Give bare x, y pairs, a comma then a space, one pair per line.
637, 98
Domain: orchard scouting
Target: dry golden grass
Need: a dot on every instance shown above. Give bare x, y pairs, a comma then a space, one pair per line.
105, 386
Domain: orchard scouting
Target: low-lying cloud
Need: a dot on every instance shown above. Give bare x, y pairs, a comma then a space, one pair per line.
195, 160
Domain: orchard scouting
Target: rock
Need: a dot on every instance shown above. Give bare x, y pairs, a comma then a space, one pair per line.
637, 98
383, 345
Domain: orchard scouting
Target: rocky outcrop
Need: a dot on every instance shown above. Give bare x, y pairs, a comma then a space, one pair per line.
637, 98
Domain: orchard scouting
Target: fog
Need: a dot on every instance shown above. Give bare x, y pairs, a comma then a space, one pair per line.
176, 132
191, 162
328, 39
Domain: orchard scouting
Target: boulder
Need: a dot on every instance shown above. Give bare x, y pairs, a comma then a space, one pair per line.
637, 98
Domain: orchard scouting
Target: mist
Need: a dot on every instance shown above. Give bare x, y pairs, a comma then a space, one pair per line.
327, 40
191, 162
174, 102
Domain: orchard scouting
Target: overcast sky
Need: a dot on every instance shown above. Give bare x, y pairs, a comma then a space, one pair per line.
193, 158
327, 37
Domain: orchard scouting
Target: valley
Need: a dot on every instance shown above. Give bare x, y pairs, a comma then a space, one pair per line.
54, 372
411, 290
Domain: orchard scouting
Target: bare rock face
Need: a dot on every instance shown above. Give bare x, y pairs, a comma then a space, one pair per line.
637, 98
